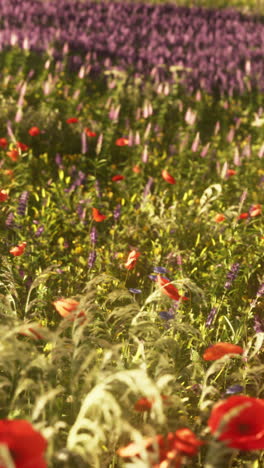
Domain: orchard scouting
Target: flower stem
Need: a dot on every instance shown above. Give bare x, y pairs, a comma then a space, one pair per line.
219, 456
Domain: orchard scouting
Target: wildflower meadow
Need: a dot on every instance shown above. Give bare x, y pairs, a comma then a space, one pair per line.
132, 234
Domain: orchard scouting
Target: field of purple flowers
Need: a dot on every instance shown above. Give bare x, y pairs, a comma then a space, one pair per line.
212, 49
131, 198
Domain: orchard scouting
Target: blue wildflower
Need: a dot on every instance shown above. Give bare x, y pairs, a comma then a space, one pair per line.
234, 389
153, 277
135, 291
160, 270
166, 315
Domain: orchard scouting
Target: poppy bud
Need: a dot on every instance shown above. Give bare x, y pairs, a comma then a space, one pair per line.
97, 216
167, 177
18, 250
72, 120
121, 142
34, 131
3, 195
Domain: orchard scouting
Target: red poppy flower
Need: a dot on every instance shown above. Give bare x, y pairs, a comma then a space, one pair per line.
22, 146
97, 216
165, 454
167, 177
230, 172
184, 441
132, 259
242, 419
32, 332
89, 133
67, 307
34, 131
121, 142
13, 154
3, 195
171, 448
72, 120
136, 169
134, 449
169, 289
118, 177
3, 142
219, 350
144, 404
243, 216
219, 218
255, 211
26, 445
18, 250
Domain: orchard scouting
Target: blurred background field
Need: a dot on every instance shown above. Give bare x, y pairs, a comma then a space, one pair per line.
247, 6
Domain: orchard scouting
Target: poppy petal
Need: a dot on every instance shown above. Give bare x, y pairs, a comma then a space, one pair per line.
219, 350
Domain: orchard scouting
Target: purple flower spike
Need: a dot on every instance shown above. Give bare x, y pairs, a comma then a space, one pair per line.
91, 259
259, 294
258, 324
9, 222
93, 235
148, 187
231, 275
58, 160
22, 203
117, 211
84, 143
144, 156
260, 291
211, 317
39, 231
179, 259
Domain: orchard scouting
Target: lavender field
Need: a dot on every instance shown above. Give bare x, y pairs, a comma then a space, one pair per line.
131, 198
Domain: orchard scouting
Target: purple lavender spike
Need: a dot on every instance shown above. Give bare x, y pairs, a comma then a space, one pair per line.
117, 211
84, 143
39, 231
148, 187
93, 235
91, 259
231, 275
144, 156
22, 203
258, 324
210, 317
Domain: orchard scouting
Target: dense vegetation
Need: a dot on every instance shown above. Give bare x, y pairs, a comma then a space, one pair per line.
132, 239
